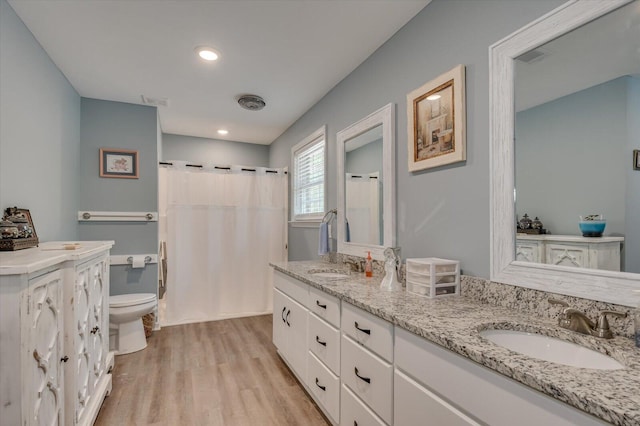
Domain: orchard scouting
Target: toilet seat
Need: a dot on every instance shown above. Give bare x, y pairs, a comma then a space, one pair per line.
125, 300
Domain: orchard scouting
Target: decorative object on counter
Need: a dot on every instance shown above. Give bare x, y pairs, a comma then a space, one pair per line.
433, 277
636, 159
528, 226
436, 121
17, 230
592, 225
118, 163
391, 269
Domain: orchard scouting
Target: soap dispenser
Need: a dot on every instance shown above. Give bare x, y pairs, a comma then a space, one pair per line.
368, 266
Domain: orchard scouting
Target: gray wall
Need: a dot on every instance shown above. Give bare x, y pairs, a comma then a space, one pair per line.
570, 158
213, 151
39, 133
366, 159
441, 212
106, 124
632, 230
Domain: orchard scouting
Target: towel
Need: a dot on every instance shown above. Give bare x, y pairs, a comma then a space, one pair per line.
347, 231
323, 245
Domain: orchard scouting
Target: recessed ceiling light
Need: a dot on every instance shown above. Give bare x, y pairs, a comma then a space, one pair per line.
223, 132
207, 53
433, 97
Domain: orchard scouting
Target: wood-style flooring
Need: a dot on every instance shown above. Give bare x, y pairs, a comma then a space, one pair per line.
214, 373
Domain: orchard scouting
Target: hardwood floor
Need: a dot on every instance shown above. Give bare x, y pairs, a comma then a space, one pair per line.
214, 373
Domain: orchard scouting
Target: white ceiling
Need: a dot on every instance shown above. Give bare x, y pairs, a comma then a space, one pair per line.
600, 51
290, 52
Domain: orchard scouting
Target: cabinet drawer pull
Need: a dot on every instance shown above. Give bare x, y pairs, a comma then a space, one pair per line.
282, 314
95, 329
320, 341
364, 330
287, 318
355, 423
64, 359
324, 388
364, 379
322, 306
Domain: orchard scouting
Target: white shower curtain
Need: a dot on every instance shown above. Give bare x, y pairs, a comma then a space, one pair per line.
222, 228
363, 208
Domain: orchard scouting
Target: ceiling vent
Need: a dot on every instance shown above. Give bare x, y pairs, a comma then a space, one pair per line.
251, 102
532, 56
164, 102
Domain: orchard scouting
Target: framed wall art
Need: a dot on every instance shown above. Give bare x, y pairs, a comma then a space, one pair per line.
436, 121
118, 163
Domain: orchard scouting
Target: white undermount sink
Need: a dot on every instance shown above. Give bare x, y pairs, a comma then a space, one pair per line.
329, 275
551, 349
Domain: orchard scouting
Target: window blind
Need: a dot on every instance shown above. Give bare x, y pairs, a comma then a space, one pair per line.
308, 183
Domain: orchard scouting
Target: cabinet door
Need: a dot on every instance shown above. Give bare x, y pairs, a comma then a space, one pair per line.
82, 303
296, 319
528, 251
98, 329
45, 372
567, 255
279, 324
416, 405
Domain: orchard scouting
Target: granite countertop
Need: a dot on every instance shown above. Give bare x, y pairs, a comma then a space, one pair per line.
455, 322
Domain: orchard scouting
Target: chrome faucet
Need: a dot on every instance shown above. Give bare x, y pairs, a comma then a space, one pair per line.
575, 320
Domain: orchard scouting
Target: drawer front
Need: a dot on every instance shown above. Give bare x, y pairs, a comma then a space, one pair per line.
370, 331
415, 405
297, 290
324, 342
567, 255
325, 306
354, 412
369, 377
325, 387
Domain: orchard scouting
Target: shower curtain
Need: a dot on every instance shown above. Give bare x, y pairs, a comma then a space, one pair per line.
222, 228
363, 207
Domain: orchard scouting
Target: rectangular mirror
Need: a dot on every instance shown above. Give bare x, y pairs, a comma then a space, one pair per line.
366, 183
566, 89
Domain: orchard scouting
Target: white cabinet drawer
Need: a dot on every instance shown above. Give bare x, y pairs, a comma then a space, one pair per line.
415, 405
325, 306
325, 387
324, 342
297, 290
354, 412
368, 376
370, 331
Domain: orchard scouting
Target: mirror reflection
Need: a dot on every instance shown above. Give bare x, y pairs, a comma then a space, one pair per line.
363, 188
577, 124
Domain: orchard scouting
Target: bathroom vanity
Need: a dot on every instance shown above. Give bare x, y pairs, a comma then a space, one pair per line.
54, 322
404, 358
570, 250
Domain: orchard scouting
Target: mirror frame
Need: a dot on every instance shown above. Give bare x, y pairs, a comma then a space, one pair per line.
606, 286
385, 116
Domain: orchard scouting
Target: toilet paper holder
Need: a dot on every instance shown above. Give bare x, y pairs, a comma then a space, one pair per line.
147, 259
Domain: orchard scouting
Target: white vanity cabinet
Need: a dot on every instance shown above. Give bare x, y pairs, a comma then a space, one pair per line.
434, 386
31, 352
87, 332
290, 317
570, 250
367, 362
323, 342
39, 354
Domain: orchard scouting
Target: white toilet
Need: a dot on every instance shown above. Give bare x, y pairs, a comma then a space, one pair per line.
126, 334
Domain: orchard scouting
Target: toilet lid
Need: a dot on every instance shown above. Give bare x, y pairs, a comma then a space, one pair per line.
133, 299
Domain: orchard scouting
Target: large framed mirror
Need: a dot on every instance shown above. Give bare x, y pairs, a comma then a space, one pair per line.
366, 185
564, 105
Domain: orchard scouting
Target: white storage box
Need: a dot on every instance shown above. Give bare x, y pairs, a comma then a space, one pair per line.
433, 277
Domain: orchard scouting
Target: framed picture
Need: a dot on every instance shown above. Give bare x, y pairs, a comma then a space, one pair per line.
436, 121
636, 159
118, 163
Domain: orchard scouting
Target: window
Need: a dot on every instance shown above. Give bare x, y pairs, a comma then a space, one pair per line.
308, 159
